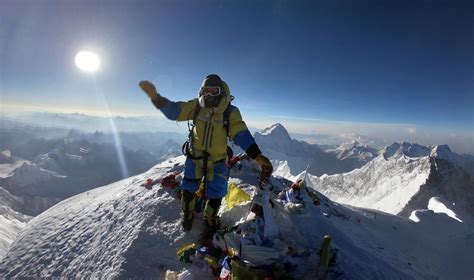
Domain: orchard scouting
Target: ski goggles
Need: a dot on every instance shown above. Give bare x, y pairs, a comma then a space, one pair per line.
210, 91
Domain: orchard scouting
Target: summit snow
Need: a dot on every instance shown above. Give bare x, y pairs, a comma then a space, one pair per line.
125, 231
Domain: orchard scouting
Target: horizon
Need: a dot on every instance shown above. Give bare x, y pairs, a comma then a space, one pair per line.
389, 71
329, 135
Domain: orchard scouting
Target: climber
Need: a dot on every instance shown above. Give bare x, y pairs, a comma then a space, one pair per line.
214, 120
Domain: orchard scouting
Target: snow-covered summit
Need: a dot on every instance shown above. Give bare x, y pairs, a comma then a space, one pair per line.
276, 130
125, 231
275, 137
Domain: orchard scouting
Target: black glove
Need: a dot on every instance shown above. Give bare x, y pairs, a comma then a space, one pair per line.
266, 165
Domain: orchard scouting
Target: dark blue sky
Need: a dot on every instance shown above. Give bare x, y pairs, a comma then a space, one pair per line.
355, 61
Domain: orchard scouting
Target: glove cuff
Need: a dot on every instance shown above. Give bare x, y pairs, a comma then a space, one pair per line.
253, 151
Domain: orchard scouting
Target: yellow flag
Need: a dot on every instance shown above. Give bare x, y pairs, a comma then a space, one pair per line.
235, 195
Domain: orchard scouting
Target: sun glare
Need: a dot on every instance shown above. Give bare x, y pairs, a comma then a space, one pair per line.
87, 61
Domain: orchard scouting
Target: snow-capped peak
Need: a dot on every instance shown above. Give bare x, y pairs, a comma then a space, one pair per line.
407, 149
276, 143
275, 137
276, 130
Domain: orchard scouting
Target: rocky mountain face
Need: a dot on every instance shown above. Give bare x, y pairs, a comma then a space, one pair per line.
449, 183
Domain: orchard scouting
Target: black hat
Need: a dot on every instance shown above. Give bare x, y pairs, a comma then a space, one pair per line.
212, 80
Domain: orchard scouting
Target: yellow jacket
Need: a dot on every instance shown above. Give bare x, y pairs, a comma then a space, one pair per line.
209, 132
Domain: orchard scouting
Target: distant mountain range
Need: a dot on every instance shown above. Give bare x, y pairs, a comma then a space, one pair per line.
296, 155
403, 178
397, 179
89, 123
37, 171
77, 162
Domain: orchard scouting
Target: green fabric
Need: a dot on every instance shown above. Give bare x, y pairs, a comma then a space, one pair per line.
240, 272
210, 211
188, 204
185, 252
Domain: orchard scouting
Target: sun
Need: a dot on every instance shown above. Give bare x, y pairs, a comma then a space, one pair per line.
87, 61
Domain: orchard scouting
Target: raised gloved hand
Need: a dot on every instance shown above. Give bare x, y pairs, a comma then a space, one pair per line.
266, 165
149, 89
155, 97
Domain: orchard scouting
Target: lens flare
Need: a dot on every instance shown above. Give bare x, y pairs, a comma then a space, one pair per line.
115, 132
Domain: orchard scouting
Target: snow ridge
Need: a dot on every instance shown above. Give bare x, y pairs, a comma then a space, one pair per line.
11, 219
382, 184
125, 231
94, 232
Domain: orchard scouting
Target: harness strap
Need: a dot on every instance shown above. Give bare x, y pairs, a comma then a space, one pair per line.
185, 150
206, 157
187, 146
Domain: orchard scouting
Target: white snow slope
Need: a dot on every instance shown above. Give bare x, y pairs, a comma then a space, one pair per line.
402, 179
11, 219
124, 231
438, 151
383, 184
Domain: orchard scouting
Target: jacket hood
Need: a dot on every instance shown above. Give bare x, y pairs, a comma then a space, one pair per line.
224, 102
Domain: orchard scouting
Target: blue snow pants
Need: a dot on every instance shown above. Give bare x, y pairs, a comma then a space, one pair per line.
216, 186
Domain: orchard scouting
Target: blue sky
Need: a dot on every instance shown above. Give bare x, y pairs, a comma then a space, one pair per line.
407, 64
